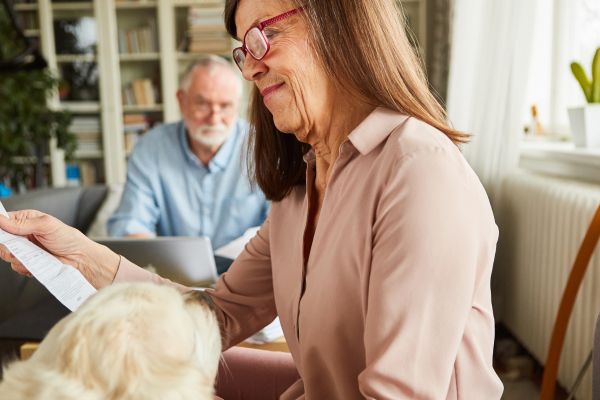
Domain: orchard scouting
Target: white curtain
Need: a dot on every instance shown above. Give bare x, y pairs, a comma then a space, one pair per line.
489, 68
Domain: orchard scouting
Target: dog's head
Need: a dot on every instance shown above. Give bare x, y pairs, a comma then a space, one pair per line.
136, 340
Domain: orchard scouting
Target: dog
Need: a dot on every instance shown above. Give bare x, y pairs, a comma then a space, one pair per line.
128, 341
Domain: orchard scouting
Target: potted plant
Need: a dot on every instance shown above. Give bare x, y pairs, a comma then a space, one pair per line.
26, 122
585, 120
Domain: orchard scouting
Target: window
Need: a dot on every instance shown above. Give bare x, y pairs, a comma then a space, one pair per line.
565, 31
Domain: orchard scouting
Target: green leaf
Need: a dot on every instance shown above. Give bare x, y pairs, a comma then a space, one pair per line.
596, 77
583, 80
26, 120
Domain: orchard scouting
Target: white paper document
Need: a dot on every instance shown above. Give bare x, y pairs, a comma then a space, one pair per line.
62, 280
236, 246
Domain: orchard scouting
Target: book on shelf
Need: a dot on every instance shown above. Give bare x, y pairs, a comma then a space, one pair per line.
135, 125
205, 16
84, 124
202, 46
89, 143
139, 40
141, 92
207, 42
205, 31
130, 139
87, 132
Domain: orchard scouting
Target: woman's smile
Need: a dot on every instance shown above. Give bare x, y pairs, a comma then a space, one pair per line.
270, 90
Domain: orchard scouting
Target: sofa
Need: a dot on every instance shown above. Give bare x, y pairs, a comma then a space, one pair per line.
27, 309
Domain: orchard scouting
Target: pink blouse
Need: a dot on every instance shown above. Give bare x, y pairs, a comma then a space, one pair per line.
394, 300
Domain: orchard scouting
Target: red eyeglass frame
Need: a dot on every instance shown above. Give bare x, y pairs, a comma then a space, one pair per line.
261, 26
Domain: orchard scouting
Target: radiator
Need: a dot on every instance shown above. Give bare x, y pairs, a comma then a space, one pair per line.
542, 222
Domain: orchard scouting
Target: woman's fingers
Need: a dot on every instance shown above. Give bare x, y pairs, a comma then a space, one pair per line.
19, 268
26, 222
14, 263
5, 254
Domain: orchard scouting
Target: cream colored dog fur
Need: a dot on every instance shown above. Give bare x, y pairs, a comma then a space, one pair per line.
128, 341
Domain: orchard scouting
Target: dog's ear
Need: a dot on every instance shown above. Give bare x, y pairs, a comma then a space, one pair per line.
207, 337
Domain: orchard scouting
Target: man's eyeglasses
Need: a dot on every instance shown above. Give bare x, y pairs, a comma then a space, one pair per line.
203, 108
256, 42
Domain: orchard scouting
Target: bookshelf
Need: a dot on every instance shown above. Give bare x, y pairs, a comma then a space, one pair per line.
119, 63
121, 74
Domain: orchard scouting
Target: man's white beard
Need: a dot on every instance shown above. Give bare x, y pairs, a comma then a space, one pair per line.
210, 136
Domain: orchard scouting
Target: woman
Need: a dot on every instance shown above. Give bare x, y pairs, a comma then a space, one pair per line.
378, 250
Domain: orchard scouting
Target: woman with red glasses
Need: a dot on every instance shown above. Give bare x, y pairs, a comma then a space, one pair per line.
378, 250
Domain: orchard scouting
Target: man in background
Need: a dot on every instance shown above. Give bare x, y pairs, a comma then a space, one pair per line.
188, 178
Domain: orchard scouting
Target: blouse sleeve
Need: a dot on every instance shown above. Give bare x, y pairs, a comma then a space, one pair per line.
243, 296
432, 241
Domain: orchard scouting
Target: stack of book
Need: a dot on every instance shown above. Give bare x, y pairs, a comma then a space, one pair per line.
133, 126
141, 92
206, 32
140, 40
87, 131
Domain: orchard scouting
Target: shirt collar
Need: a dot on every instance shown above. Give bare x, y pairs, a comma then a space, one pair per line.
375, 129
370, 132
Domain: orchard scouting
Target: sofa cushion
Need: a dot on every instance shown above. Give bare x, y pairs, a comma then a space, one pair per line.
75, 206
90, 201
61, 203
23, 298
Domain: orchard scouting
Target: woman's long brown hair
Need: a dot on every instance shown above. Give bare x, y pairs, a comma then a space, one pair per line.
363, 46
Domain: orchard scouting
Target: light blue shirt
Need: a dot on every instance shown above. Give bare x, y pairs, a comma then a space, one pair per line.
169, 192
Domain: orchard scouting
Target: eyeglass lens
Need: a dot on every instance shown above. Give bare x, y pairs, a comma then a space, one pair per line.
239, 57
256, 45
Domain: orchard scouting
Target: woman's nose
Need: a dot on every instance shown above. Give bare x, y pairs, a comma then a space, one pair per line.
253, 68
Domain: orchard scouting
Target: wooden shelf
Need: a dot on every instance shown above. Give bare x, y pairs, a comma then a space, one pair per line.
139, 108
31, 32
201, 3
129, 57
69, 58
88, 154
78, 6
134, 5
29, 160
80, 107
25, 7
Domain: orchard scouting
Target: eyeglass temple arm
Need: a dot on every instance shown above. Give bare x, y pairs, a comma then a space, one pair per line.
279, 17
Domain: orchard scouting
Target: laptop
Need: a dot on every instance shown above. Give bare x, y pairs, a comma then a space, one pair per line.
186, 260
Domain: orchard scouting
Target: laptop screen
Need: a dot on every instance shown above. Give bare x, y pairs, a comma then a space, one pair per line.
186, 260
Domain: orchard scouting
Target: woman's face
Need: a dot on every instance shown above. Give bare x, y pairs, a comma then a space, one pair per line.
294, 86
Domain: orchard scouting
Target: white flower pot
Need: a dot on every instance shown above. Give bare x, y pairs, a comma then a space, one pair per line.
585, 125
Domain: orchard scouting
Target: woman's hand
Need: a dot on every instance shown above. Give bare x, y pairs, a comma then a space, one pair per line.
97, 263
